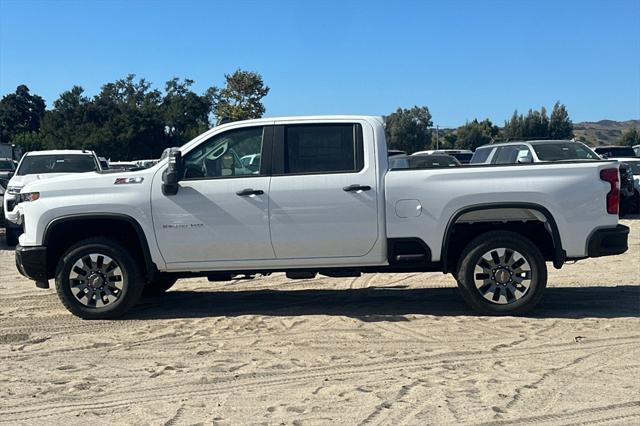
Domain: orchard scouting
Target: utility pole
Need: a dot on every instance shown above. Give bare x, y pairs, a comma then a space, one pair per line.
437, 138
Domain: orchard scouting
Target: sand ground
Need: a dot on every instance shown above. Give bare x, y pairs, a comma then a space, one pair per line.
379, 349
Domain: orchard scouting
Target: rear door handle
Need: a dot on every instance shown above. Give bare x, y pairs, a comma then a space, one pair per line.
356, 187
249, 191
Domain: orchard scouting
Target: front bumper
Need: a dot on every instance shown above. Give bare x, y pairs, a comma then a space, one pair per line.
32, 262
608, 241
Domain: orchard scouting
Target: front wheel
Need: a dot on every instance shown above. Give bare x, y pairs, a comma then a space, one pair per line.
502, 273
98, 279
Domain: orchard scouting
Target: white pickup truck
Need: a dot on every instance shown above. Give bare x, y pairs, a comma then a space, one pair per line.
321, 200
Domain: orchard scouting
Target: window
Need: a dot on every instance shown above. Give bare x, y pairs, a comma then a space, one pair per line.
6, 164
481, 155
323, 148
563, 151
69, 163
228, 154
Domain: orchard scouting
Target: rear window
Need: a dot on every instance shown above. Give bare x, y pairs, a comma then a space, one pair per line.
481, 155
323, 148
564, 151
617, 151
70, 163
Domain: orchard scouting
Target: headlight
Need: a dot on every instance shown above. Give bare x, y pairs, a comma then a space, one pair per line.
14, 190
28, 196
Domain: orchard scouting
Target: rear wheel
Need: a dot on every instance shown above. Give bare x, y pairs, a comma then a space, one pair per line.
98, 279
502, 273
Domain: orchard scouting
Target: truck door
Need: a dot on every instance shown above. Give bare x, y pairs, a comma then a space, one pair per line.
324, 192
220, 212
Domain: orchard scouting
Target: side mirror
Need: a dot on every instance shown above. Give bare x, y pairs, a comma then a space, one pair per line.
171, 176
524, 160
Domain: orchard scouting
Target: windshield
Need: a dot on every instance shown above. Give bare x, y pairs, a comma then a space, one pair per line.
69, 163
6, 164
564, 151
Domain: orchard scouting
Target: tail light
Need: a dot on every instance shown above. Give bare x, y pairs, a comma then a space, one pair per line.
613, 196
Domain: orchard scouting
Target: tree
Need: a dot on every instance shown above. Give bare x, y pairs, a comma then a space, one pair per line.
560, 125
536, 124
20, 112
408, 129
29, 141
185, 113
474, 134
630, 137
241, 98
514, 128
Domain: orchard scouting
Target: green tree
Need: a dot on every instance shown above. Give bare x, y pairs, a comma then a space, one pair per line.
185, 113
514, 127
241, 98
536, 124
408, 129
630, 137
560, 125
29, 141
474, 134
20, 112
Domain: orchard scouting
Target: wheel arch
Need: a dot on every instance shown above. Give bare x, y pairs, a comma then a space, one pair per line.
559, 255
80, 219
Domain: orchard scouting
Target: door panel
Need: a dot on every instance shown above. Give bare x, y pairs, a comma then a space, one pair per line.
311, 213
207, 221
221, 210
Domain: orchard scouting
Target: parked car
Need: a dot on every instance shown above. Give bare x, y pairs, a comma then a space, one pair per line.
123, 165
532, 152
104, 163
3, 188
323, 201
629, 185
611, 151
7, 168
422, 161
462, 155
39, 165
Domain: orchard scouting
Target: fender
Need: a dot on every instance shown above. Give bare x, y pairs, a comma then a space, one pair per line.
559, 255
152, 269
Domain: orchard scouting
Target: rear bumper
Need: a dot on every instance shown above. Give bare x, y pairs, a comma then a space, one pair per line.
32, 262
608, 242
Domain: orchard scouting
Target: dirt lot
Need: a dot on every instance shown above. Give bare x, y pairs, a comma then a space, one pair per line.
380, 349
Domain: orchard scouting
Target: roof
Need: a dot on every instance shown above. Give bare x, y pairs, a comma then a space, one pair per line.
61, 152
536, 141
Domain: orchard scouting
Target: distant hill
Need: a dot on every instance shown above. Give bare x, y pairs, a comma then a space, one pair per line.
603, 132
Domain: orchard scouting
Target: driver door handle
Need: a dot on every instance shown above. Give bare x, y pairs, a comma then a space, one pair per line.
249, 191
356, 187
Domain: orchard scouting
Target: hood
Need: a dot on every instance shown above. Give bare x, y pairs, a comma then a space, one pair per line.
86, 182
27, 179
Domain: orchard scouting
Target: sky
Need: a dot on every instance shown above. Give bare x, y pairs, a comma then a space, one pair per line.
462, 59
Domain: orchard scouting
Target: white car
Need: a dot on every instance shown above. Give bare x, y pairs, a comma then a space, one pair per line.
322, 201
38, 165
539, 151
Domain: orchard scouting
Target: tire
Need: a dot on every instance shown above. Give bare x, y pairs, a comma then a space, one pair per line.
12, 232
158, 286
504, 284
114, 289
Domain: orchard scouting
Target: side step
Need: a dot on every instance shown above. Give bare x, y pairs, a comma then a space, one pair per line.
420, 257
301, 275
